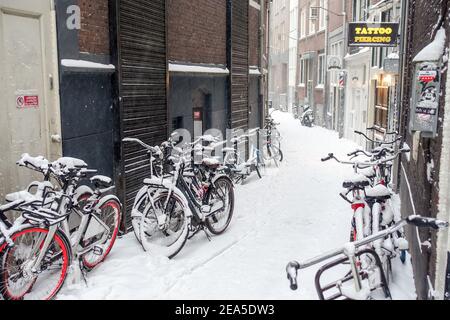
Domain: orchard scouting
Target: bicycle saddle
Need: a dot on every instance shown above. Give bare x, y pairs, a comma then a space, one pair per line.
101, 182
211, 163
379, 192
368, 172
357, 181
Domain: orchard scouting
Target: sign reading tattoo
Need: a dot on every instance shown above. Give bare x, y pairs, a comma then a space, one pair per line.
382, 34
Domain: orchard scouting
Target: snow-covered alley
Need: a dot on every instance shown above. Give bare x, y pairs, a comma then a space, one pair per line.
294, 212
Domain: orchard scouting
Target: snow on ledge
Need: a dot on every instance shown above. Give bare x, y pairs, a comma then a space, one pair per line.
254, 71
86, 64
433, 51
175, 67
393, 55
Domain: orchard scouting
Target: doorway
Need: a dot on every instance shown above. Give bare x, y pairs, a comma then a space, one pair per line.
201, 111
30, 121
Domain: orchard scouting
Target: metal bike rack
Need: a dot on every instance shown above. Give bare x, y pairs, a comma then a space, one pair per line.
322, 289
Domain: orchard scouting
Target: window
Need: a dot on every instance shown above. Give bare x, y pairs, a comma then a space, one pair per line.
360, 10
335, 50
321, 70
381, 105
379, 54
312, 22
305, 72
322, 14
303, 23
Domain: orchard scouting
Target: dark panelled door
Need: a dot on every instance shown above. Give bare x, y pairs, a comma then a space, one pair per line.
142, 87
239, 64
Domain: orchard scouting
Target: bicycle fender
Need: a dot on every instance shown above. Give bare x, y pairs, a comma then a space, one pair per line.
83, 190
107, 198
222, 176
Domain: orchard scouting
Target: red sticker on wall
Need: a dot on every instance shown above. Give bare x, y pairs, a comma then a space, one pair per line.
23, 101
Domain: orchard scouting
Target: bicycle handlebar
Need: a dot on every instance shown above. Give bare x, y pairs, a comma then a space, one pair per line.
381, 131
363, 165
415, 220
155, 150
292, 274
379, 142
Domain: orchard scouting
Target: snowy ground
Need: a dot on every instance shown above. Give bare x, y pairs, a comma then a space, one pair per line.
294, 212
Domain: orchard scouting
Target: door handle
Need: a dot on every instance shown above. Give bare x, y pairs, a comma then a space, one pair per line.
56, 138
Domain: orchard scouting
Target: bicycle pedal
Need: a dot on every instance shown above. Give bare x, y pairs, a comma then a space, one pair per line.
97, 251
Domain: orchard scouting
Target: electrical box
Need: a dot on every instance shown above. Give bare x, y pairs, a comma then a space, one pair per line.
425, 98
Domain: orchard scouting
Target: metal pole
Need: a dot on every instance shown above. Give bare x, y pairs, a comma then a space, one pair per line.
325, 66
341, 117
400, 93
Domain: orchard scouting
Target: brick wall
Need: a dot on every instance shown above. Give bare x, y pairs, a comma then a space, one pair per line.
422, 19
335, 21
197, 31
94, 33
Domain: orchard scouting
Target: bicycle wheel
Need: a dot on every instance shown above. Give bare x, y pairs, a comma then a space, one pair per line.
222, 191
110, 215
170, 240
18, 281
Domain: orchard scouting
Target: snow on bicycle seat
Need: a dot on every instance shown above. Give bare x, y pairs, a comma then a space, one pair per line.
379, 192
101, 181
69, 163
211, 163
228, 149
356, 181
368, 172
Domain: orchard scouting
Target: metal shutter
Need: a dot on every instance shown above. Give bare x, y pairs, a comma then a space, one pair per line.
239, 59
142, 87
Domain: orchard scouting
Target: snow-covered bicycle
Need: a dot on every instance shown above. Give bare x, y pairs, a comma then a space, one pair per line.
370, 205
238, 168
41, 245
174, 206
355, 284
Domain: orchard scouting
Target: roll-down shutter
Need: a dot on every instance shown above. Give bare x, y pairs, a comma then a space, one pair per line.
239, 64
142, 87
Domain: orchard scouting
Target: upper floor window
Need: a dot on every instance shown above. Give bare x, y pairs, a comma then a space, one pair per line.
303, 23
360, 10
321, 70
312, 22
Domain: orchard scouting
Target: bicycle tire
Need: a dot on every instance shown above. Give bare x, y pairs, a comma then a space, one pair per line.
97, 259
27, 292
173, 248
209, 222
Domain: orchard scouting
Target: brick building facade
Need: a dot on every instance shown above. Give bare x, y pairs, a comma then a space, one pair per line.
312, 58
142, 69
421, 172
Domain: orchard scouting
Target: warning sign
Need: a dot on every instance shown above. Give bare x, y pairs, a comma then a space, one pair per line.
27, 101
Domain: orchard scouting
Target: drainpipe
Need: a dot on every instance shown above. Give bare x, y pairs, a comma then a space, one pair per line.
401, 92
263, 79
341, 113
443, 244
325, 80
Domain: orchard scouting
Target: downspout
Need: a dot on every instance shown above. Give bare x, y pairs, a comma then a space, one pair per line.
443, 243
341, 114
328, 122
262, 31
400, 93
